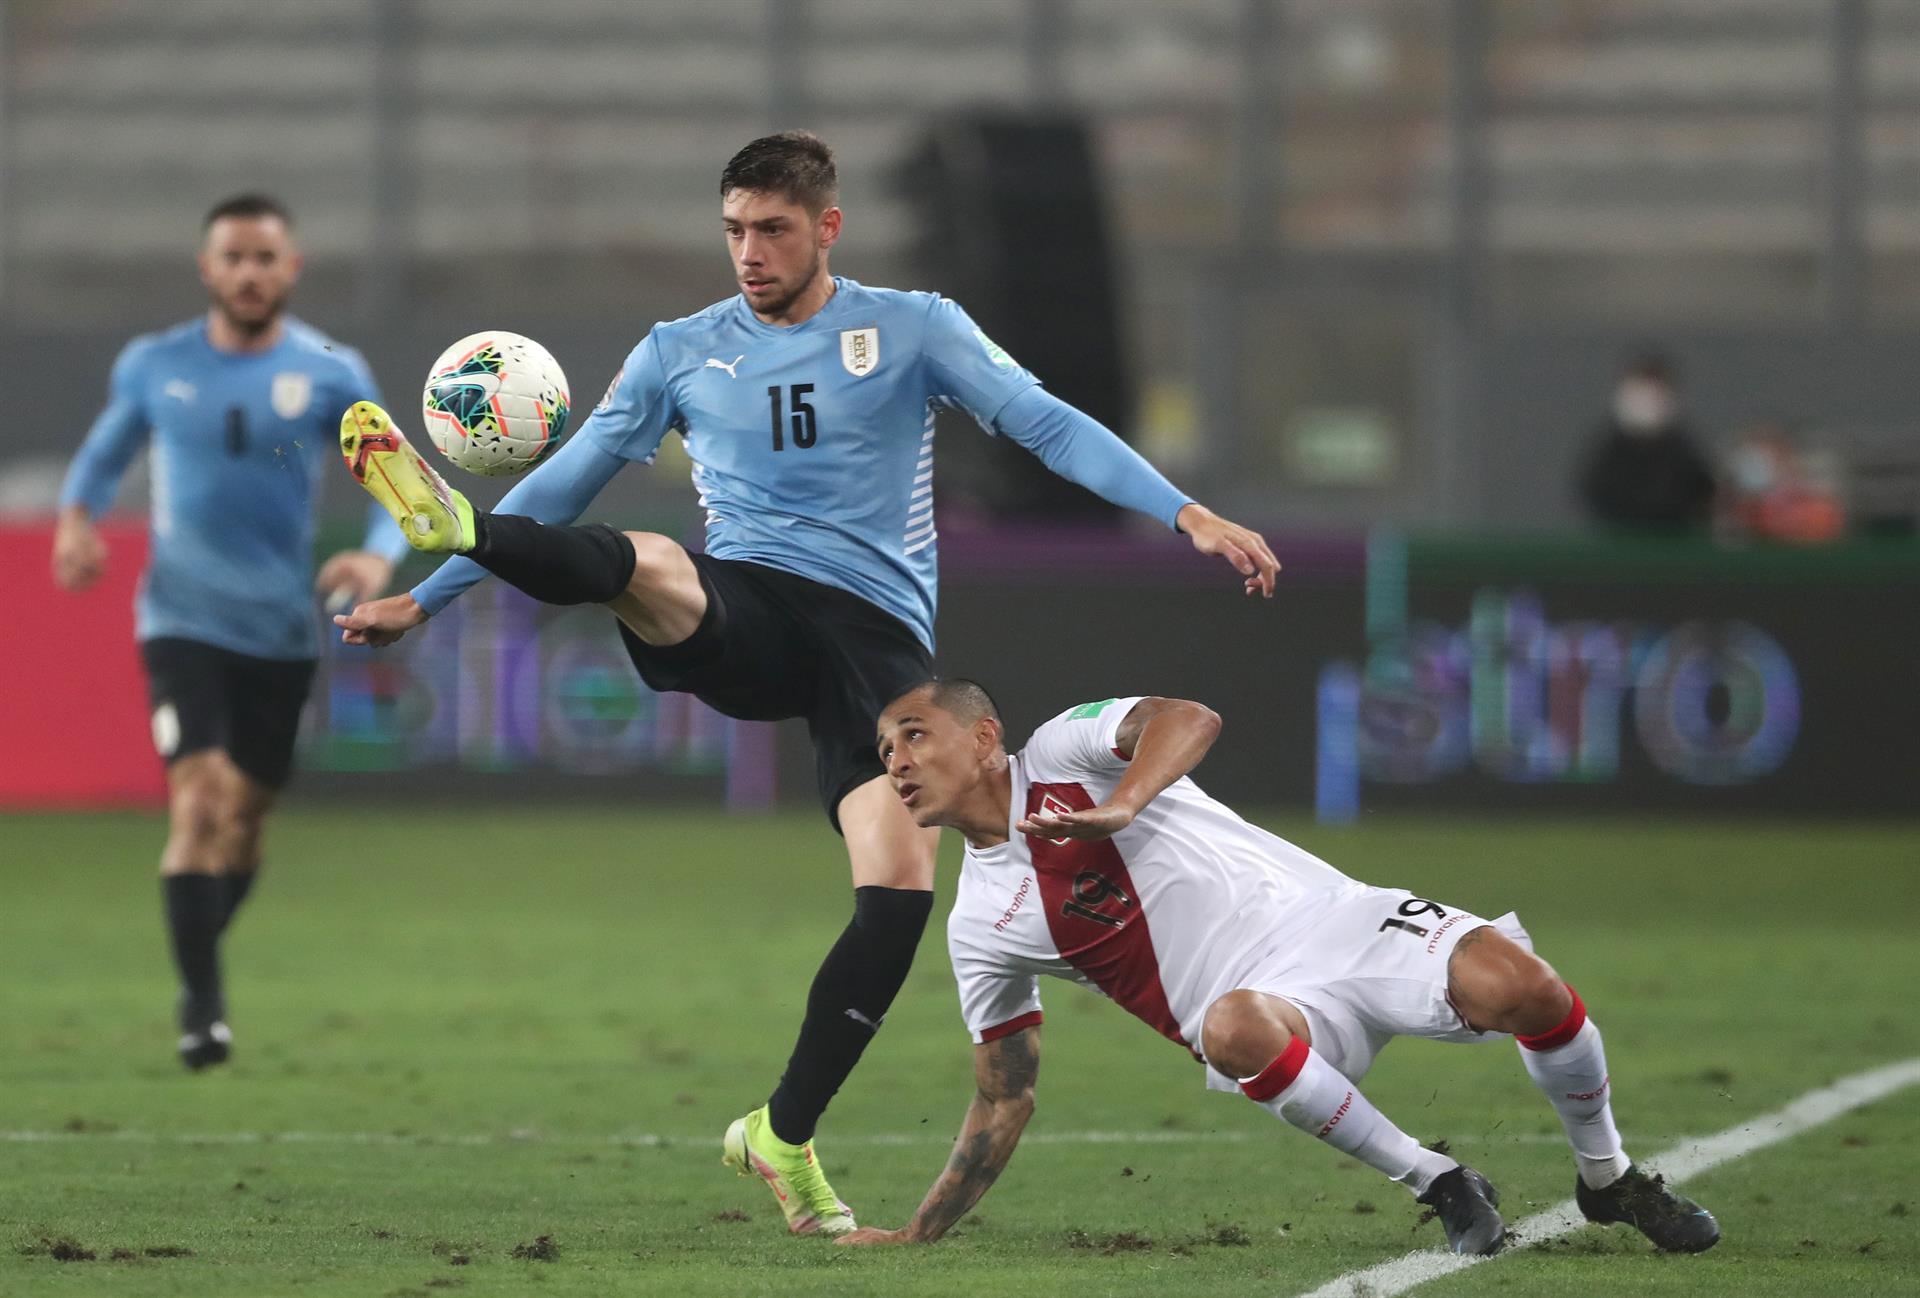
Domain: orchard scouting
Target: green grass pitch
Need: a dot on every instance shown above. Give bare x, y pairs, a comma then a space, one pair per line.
459, 1032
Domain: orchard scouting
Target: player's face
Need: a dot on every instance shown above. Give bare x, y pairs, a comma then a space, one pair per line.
932, 759
249, 265
778, 248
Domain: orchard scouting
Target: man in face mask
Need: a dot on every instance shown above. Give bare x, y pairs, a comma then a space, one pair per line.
1645, 473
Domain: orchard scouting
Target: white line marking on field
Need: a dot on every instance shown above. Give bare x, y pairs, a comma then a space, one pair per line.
1677, 1164
654, 1140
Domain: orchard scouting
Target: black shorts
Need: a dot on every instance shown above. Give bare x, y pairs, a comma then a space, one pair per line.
208, 697
774, 645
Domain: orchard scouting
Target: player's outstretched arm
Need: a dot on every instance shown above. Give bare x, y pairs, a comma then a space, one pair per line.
1004, 1071
1081, 449
1242, 547
1161, 740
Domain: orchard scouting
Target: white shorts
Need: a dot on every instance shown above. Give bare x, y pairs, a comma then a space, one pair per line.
1371, 966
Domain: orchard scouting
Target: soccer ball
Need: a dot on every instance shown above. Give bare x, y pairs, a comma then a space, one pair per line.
495, 403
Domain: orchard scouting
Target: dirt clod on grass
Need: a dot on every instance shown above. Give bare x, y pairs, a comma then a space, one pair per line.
543, 1249
65, 1249
731, 1214
1125, 1241
167, 1250
1228, 1234
1364, 1208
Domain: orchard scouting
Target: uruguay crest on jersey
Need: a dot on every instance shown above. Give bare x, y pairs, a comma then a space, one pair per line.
860, 350
292, 393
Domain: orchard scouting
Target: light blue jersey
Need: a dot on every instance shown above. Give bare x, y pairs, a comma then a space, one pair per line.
812, 444
239, 441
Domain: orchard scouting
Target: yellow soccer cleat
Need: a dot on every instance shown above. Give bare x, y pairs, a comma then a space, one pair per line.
433, 516
790, 1171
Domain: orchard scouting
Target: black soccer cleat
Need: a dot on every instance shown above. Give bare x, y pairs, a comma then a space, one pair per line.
205, 1039
1466, 1202
1675, 1223
206, 1046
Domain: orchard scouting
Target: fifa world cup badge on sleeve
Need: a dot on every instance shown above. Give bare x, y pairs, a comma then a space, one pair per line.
860, 350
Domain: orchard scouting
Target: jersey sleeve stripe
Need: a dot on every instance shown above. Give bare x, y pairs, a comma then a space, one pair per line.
1028, 1020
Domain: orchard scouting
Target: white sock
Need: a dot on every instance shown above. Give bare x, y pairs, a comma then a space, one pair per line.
1569, 1065
1306, 1091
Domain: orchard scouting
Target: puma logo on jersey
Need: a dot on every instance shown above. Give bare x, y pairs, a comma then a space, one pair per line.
713, 364
180, 390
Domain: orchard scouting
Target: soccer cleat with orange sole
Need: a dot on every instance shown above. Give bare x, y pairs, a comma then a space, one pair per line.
433, 516
790, 1171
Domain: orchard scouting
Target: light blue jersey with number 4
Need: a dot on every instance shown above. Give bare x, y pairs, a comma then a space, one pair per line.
812, 444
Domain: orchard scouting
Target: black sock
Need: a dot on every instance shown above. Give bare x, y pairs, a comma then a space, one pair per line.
856, 984
237, 884
196, 906
555, 565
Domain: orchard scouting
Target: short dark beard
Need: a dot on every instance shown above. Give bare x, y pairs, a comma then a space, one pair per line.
252, 328
780, 307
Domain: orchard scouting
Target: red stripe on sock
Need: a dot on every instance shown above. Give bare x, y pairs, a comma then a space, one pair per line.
1568, 1029
1278, 1075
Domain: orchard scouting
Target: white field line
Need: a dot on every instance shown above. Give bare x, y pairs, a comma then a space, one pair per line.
650, 1140
1690, 1158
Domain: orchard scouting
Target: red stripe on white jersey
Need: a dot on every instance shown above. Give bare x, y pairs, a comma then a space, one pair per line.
1094, 914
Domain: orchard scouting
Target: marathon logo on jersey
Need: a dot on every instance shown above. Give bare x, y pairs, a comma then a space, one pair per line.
860, 350
291, 394
1019, 900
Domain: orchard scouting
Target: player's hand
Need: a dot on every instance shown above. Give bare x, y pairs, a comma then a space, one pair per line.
352, 577
1245, 549
381, 622
79, 553
872, 1235
1101, 822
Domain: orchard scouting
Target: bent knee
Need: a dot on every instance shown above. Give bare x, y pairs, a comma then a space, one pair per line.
657, 561
1246, 1030
204, 818
1514, 991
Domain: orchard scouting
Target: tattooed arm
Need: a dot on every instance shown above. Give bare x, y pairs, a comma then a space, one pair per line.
1004, 1072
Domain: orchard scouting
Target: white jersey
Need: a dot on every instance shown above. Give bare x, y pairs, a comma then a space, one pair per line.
1164, 917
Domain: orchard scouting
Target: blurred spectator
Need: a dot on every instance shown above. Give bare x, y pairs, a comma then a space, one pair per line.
1645, 473
1774, 492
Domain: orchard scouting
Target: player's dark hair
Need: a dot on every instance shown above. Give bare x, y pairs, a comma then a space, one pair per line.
796, 164
967, 700
248, 206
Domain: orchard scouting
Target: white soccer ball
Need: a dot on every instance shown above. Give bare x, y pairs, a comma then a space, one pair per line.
495, 403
